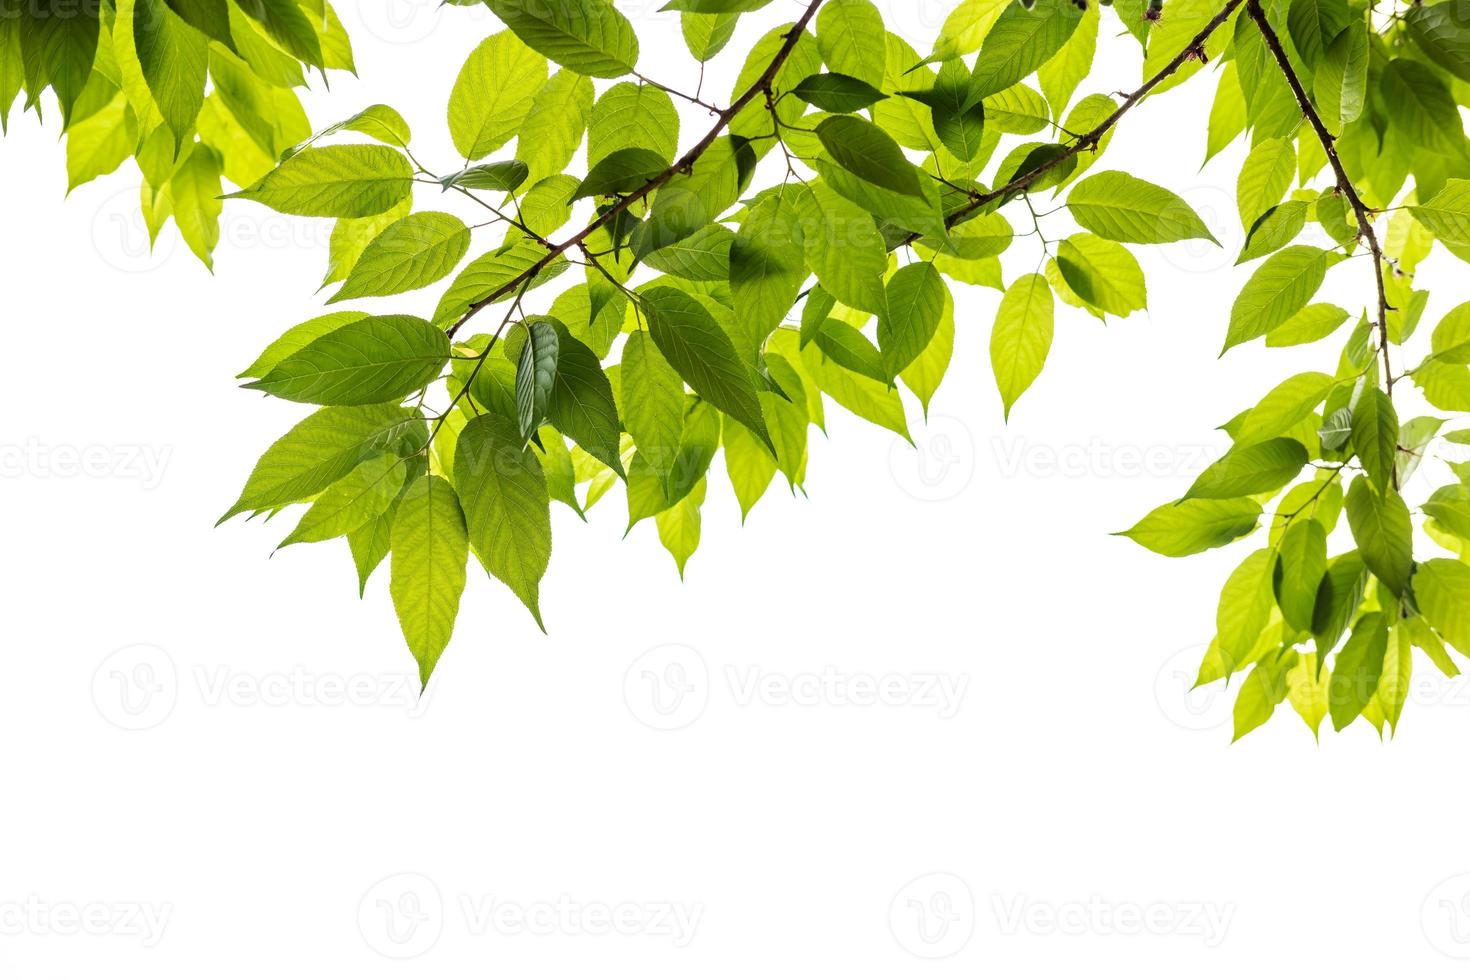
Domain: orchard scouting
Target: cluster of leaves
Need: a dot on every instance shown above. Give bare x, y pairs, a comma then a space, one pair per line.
195, 91
701, 307
1359, 108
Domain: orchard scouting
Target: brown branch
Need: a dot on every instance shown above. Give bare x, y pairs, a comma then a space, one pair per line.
1090, 139
1345, 186
684, 163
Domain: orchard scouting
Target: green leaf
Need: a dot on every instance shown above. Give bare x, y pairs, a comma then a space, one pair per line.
1245, 608
1442, 590
1123, 208
702, 257
1340, 84
1376, 435
707, 34
1021, 337
554, 126
715, 6
847, 346
430, 546
493, 94
1309, 324
1312, 25
836, 92
621, 172
865, 151
1102, 273
1263, 689
924, 375
409, 254
1302, 566
493, 273
381, 122
1384, 532
913, 305
1060, 76
1274, 230
767, 266
194, 191
875, 401
1356, 672
750, 466
652, 401
703, 354
629, 115
535, 373
362, 495
352, 181
679, 526
286, 24
209, 17
1398, 671
296, 338
506, 506
853, 41
375, 359
582, 404
505, 175
1425, 113
1193, 526
1282, 285
319, 451
1284, 406
1264, 179
1442, 31
1248, 470
1338, 596
956, 111
965, 28
1447, 214
1022, 40
588, 36
175, 60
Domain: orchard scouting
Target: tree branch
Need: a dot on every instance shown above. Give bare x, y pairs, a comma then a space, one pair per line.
1344, 185
684, 163
1089, 140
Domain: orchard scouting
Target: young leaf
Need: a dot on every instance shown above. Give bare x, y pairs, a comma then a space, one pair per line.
867, 152
1302, 565
536, 371
362, 495
1021, 337
430, 547
652, 400
1442, 590
1283, 284
836, 92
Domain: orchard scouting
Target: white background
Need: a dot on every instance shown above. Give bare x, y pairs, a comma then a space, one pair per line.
178, 743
